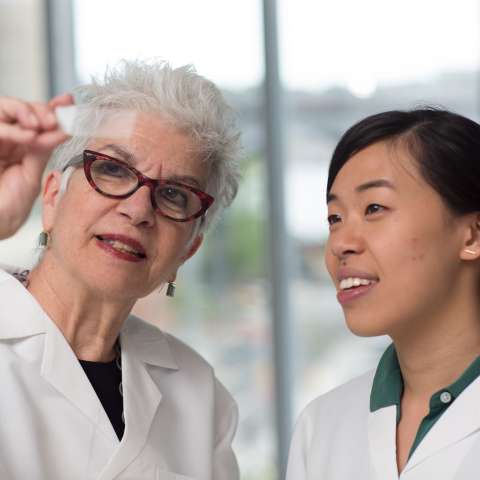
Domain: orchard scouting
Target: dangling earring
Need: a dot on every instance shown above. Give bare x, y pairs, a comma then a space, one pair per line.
171, 289
43, 240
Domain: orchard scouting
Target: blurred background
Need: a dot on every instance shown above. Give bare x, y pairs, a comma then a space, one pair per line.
276, 338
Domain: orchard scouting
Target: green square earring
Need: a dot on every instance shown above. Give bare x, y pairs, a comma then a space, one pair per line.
43, 240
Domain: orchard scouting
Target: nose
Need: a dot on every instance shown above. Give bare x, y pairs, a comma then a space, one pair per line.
347, 241
138, 208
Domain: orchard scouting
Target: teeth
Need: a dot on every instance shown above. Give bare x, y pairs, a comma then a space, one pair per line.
122, 247
347, 283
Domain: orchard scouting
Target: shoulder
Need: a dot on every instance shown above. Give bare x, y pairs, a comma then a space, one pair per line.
342, 406
330, 429
10, 269
180, 363
348, 397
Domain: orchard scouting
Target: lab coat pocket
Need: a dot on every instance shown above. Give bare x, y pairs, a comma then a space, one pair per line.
165, 475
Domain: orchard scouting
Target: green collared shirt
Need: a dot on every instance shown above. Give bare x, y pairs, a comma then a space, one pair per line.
388, 386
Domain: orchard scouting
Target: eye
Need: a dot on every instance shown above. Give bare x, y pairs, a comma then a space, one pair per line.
333, 219
374, 208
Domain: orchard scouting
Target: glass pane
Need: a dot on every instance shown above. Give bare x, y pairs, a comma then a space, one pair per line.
340, 63
220, 306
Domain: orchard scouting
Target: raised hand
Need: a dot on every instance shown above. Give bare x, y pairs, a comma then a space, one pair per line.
28, 134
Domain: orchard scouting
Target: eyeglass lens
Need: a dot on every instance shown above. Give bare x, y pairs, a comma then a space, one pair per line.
115, 179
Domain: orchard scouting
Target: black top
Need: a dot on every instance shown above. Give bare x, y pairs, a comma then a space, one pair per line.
105, 379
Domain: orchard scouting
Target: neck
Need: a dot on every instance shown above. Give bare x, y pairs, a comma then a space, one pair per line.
89, 320
439, 347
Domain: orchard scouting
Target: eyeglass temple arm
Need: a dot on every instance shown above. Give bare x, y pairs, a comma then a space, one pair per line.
74, 161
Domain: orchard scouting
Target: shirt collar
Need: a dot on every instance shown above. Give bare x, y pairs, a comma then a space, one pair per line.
388, 382
467, 377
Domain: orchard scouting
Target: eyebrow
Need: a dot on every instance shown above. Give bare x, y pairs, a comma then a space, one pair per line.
131, 160
185, 179
379, 183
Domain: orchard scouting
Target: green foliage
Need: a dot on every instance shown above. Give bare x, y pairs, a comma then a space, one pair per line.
237, 244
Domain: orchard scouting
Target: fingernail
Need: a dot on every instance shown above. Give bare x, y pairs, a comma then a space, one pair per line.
51, 118
33, 120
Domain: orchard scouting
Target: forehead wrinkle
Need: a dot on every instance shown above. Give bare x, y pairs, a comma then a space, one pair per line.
122, 152
131, 160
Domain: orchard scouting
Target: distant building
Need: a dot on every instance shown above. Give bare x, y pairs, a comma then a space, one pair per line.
23, 49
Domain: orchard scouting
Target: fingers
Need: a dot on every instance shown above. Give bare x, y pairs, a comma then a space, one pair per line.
63, 99
45, 116
16, 134
47, 141
32, 116
14, 111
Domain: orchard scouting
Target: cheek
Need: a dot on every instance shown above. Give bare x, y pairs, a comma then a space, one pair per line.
331, 261
77, 212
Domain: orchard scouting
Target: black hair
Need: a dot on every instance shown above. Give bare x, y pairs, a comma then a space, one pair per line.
446, 146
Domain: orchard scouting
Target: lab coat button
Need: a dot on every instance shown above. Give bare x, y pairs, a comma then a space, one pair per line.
446, 397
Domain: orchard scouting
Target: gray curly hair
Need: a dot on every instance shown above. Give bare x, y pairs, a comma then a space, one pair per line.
179, 96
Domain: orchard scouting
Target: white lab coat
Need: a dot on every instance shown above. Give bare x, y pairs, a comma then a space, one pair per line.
180, 421
337, 438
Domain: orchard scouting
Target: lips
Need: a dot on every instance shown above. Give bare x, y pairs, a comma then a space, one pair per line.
354, 284
347, 296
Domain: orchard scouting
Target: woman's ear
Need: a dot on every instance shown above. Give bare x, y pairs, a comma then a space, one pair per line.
192, 250
471, 250
189, 253
50, 197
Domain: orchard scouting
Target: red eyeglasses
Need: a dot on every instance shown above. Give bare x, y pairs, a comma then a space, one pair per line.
117, 179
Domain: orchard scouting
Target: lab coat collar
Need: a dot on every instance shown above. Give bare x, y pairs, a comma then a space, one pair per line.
381, 434
17, 303
461, 419
149, 343
141, 398
61, 368
140, 342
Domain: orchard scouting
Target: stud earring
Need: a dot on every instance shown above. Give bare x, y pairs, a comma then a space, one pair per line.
470, 252
171, 289
43, 240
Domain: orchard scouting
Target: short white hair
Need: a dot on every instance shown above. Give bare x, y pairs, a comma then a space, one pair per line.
179, 96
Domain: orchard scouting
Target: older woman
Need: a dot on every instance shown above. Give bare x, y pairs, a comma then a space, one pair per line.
89, 391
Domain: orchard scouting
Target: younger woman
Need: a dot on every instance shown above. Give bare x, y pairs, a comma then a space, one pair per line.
403, 200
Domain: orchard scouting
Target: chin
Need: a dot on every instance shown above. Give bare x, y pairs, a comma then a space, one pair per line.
370, 325
114, 283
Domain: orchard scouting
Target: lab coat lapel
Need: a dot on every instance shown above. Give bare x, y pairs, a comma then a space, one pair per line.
141, 399
62, 370
470, 468
461, 419
381, 432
